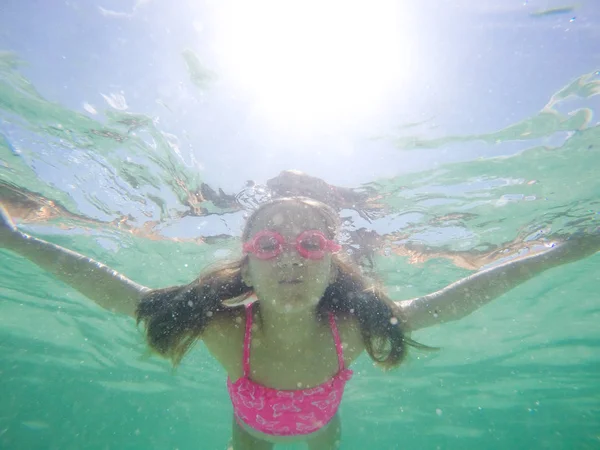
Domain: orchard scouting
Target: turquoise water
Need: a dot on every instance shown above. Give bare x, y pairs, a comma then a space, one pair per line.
522, 372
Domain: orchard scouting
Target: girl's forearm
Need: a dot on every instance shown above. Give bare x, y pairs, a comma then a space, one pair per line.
100, 283
469, 294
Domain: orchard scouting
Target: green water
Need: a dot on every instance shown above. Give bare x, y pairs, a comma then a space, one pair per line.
521, 372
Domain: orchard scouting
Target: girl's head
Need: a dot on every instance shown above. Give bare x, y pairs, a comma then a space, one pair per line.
288, 271
289, 245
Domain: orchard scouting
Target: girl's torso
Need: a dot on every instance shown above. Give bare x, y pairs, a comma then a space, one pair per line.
302, 366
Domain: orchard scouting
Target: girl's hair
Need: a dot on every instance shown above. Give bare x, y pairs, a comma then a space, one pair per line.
175, 317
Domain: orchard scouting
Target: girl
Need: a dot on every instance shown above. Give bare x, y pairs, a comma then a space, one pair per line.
287, 320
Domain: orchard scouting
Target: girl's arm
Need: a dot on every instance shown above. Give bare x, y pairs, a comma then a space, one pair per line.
100, 283
465, 296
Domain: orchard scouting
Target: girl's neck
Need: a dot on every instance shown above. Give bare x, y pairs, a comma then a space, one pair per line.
287, 329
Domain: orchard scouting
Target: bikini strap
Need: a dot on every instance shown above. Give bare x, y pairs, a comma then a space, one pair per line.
338, 342
247, 339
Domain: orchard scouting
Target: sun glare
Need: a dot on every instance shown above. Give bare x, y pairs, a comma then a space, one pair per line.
313, 63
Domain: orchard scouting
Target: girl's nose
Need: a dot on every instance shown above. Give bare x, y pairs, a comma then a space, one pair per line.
289, 256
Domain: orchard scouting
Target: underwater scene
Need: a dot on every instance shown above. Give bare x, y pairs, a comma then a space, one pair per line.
449, 137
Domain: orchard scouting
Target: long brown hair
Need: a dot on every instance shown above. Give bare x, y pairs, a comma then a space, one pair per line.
175, 317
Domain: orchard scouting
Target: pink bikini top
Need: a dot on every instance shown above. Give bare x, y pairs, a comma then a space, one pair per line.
287, 412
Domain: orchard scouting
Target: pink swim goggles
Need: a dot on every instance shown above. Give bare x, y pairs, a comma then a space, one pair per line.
310, 244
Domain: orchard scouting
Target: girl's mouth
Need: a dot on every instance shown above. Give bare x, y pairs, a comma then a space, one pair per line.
291, 281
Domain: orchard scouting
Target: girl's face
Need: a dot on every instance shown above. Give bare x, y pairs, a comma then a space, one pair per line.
289, 282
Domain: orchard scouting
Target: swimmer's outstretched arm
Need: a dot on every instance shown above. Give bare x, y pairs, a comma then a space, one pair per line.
469, 294
100, 283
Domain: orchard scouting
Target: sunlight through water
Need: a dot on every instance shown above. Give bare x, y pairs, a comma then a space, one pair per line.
314, 64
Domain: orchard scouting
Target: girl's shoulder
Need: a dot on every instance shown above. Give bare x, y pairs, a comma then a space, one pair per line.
351, 337
224, 336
